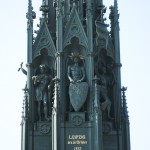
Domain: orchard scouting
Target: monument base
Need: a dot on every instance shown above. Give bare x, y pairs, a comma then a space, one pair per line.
42, 136
77, 133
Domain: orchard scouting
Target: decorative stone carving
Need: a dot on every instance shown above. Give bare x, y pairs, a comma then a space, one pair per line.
77, 120
45, 128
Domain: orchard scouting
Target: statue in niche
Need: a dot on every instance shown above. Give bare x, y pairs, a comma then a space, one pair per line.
106, 82
42, 82
78, 88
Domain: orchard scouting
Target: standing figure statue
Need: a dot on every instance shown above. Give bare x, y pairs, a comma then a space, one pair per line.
106, 104
78, 89
76, 73
42, 82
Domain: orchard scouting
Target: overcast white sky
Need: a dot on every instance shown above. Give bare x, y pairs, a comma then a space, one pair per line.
135, 58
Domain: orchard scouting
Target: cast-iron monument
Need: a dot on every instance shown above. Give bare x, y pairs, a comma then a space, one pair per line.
73, 96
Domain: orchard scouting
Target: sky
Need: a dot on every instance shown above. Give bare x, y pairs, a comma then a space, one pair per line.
135, 72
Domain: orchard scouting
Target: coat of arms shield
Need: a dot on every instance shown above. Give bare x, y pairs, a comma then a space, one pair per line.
78, 94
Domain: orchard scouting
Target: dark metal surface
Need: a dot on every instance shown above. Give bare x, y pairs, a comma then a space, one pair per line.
73, 92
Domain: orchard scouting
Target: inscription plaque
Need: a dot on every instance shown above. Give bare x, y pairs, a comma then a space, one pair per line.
78, 138
77, 142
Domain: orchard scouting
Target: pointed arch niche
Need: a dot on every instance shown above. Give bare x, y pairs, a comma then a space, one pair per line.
74, 47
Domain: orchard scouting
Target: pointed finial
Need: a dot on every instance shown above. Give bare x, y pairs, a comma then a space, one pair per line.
116, 3
124, 102
30, 15
116, 15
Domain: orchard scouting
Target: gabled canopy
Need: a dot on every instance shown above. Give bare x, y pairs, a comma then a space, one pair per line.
74, 28
44, 41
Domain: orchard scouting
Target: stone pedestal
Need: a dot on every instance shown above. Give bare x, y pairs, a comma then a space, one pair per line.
77, 133
42, 136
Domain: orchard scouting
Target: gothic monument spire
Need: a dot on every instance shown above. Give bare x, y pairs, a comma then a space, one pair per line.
73, 91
